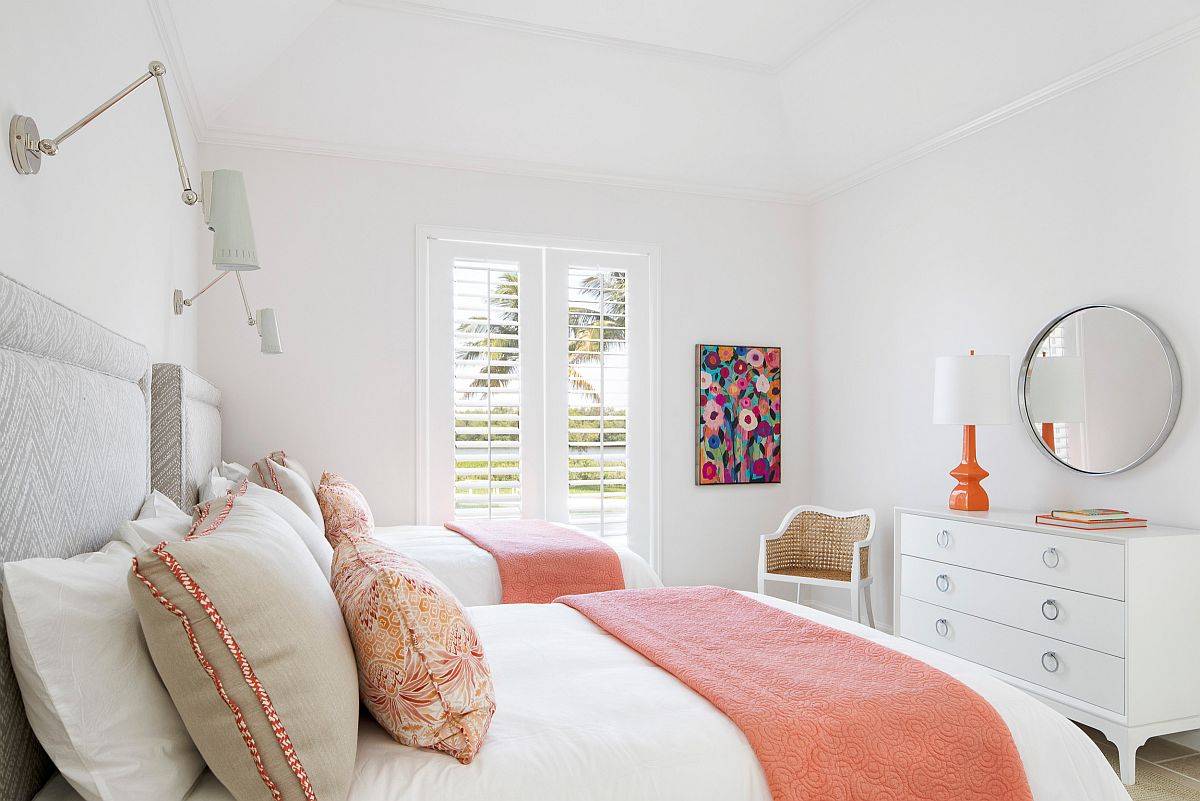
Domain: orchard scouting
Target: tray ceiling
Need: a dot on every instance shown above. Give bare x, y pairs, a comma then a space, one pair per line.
773, 99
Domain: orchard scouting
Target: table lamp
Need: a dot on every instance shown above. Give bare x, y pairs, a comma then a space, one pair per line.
1054, 393
969, 391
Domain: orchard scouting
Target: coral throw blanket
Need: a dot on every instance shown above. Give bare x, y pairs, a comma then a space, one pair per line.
539, 561
830, 716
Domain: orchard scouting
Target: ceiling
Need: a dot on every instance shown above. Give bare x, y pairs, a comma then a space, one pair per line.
787, 100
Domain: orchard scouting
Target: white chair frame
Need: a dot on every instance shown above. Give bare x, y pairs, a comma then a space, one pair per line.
859, 586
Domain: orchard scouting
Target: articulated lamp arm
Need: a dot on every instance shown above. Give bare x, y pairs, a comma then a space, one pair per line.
27, 150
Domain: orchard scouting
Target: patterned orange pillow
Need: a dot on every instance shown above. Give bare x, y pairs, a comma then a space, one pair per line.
344, 509
421, 669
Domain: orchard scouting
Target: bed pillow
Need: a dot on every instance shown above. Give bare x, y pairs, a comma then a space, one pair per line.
233, 471
291, 464
421, 669
158, 505
91, 692
344, 509
274, 476
249, 640
312, 536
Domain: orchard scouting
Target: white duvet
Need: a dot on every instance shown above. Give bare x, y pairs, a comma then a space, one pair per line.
581, 717
471, 573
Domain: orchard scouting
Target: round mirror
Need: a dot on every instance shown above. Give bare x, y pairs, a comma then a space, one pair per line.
1099, 389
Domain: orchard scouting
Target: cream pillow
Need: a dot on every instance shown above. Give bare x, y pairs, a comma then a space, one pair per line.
312, 536
291, 464
91, 692
274, 476
248, 638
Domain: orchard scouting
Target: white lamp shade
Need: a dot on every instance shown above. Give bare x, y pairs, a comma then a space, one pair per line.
972, 390
1054, 389
227, 213
268, 331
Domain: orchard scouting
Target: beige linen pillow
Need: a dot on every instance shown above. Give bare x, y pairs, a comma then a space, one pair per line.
421, 669
250, 643
272, 475
311, 534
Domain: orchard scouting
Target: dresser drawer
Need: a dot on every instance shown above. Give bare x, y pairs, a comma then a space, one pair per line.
1072, 670
1060, 561
1089, 620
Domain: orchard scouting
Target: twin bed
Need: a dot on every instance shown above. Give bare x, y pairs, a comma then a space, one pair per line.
580, 715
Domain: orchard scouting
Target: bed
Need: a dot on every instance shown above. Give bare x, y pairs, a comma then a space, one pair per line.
186, 446
580, 715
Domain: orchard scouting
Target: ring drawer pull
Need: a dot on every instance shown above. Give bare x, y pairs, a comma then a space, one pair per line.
942, 626
1050, 609
1050, 662
943, 538
943, 582
1050, 557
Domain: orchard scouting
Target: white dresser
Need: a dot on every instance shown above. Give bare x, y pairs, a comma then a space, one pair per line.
1102, 626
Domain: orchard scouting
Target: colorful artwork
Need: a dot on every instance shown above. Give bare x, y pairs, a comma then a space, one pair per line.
739, 396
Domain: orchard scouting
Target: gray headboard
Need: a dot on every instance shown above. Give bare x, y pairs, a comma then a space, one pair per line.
74, 464
185, 432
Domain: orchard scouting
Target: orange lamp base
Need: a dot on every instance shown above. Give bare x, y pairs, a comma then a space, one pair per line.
968, 495
1048, 435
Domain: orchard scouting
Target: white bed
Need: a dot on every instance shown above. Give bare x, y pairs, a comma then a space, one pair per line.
470, 572
581, 717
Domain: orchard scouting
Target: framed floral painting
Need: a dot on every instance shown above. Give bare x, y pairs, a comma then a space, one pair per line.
738, 432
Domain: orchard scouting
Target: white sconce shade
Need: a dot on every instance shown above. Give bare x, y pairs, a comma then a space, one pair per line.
972, 390
227, 214
1054, 391
268, 331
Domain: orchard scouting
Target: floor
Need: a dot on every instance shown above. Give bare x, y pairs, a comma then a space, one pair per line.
1166, 771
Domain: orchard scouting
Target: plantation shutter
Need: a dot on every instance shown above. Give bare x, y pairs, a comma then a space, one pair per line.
487, 389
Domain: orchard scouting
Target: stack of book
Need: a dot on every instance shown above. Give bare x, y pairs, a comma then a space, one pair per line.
1091, 519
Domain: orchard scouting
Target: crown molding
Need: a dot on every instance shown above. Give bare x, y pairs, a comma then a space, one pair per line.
177, 66
1168, 39
414, 8
488, 164
803, 50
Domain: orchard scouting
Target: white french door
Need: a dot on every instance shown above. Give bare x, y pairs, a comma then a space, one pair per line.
539, 392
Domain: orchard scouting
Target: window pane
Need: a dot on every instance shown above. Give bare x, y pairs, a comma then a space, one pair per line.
487, 389
598, 400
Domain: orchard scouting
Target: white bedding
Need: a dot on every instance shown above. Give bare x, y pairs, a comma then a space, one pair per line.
471, 573
581, 717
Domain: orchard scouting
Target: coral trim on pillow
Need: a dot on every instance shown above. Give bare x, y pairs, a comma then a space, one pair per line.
238, 717
260, 692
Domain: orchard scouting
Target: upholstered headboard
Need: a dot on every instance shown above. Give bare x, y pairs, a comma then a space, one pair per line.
74, 464
185, 432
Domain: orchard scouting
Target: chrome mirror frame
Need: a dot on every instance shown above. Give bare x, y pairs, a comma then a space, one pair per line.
1176, 387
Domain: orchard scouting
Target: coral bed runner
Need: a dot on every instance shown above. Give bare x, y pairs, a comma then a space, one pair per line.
830, 716
539, 561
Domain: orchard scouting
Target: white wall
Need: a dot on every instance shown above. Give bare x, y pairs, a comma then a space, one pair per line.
1091, 197
336, 240
101, 228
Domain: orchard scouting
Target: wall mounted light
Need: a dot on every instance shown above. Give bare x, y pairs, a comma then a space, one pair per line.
222, 196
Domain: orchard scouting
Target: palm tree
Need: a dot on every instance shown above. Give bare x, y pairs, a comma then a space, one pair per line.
587, 323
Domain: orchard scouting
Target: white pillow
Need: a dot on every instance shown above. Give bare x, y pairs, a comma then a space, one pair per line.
274, 476
159, 505
312, 536
90, 688
233, 471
